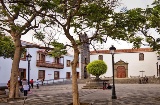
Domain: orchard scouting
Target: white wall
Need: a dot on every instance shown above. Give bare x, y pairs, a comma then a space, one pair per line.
69, 69
6, 65
5, 69
134, 65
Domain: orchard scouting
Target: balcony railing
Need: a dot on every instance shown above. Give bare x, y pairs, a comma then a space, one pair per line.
49, 64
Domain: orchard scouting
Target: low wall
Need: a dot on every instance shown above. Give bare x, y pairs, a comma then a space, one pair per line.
124, 80
133, 80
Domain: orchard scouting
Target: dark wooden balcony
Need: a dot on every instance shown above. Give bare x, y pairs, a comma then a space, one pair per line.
49, 64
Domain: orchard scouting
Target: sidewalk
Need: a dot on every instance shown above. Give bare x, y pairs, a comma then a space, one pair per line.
127, 94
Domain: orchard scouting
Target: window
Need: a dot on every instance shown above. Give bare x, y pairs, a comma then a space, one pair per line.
100, 57
41, 74
141, 56
56, 74
68, 63
42, 57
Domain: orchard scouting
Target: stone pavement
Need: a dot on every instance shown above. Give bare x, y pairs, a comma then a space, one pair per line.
127, 94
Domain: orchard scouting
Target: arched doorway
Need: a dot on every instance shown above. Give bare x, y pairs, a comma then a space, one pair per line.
121, 72
121, 69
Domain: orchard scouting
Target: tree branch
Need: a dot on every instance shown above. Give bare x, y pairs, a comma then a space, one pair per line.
6, 10
31, 27
9, 31
29, 22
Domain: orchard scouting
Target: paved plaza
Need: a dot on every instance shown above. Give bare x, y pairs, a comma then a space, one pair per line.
127, 94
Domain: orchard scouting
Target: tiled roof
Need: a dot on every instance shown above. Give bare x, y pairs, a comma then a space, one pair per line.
123, 51
42, 51
28, 43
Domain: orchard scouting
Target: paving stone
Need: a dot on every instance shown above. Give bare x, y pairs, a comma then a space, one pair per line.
127, 94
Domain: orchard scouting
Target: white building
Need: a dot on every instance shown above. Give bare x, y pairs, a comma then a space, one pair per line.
129, 62
41, 66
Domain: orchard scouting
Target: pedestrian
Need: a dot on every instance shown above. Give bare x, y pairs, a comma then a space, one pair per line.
25, 89
109, 86
146, 79
37, 83
21, 86
42, 81
31, 82
104, 85
25, 86
8, 85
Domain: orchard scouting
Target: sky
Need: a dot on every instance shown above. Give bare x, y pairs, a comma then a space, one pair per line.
129, 4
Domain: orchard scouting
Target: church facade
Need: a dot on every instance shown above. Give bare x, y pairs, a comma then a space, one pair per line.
129, 62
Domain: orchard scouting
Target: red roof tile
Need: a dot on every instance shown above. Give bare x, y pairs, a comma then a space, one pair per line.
122, 51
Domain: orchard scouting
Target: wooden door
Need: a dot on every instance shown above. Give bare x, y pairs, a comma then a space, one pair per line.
121, 72
56, 74
68, 75
22, 73
41, 74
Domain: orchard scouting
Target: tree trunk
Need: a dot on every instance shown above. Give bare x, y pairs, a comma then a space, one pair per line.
97, 77
14, 86
74, 78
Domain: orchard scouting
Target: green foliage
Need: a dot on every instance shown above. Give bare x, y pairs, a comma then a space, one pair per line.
138, 23
59, 49
96, 15
6, 47
39, 35
97, 67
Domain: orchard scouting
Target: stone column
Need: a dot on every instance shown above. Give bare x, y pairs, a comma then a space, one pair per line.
85, 56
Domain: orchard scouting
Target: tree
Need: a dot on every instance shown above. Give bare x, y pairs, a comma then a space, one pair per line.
142, 25
81, 16
97, 68
16, 20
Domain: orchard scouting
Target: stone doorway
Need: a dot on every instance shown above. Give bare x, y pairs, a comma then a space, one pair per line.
121, 69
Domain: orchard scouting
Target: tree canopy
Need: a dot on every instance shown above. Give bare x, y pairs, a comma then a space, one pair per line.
142, 25
97, 67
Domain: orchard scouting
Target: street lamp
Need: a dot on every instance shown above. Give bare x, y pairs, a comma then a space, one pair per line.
28, 59
112, 51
